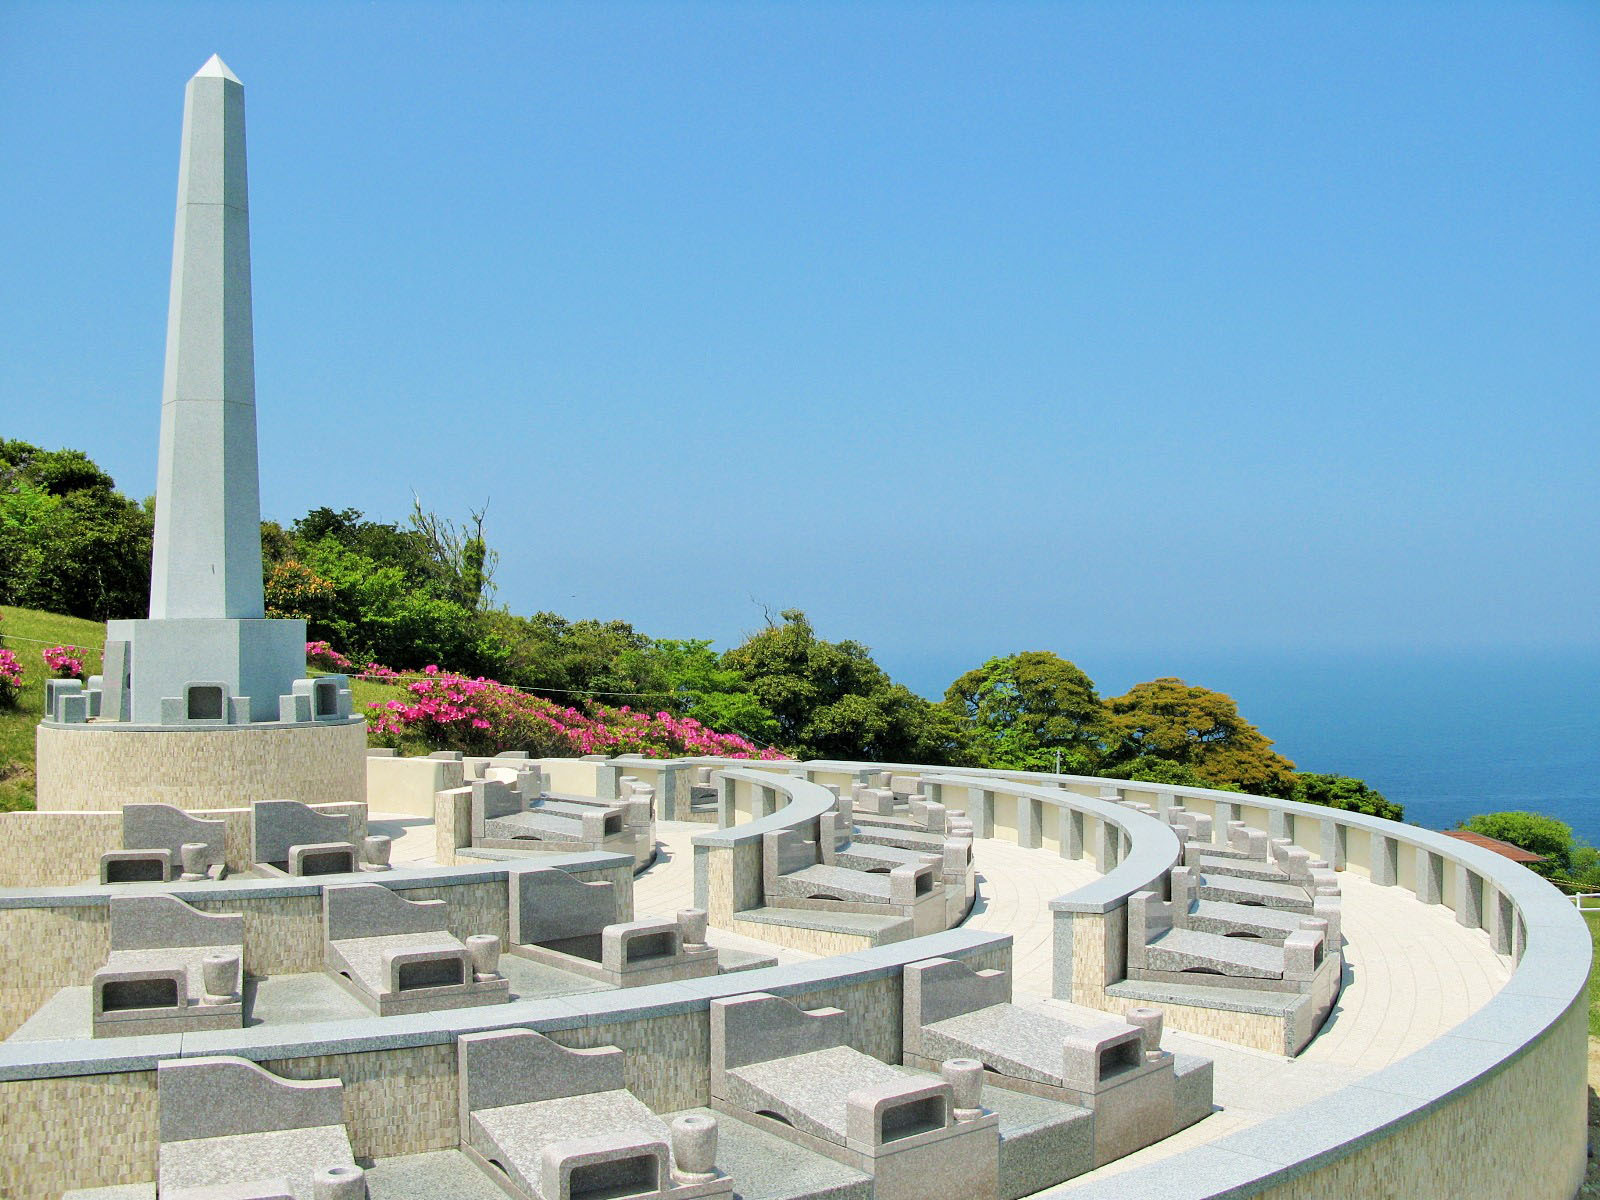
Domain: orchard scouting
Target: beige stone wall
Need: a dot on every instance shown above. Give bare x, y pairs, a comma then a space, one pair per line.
574, 776
1519, 1132
395, 1101
400, 1101
45, 949
84, 768
408, 785
668, 1063
793, 937
63, 849
55, 849
1099, 955
1255, 1031
452, 824
79, 1132
733, 881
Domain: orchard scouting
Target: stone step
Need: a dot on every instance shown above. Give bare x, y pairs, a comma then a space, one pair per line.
1232, 889
1238, 868
1241, 920
1186, 950
879, 929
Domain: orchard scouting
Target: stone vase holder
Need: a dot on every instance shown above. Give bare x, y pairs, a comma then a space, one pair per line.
1149, 1021
694, 1147
375, 850
485, 951
196, 859
339, 1183
692, 926
220, 973
965, 1077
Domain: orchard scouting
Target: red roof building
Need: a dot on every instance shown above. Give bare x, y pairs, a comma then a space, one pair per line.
1514, 853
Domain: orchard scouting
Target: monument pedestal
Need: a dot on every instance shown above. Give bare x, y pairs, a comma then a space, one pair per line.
82, 767
151, 662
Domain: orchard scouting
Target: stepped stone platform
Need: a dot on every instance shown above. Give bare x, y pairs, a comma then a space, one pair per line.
1190, 950
1242, 921
1235, 890
879, 930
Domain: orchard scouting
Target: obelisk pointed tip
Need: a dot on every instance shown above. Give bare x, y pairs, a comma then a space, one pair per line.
215, 67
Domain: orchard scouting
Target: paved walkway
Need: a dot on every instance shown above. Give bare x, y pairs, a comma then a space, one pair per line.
1015, 887
411, 838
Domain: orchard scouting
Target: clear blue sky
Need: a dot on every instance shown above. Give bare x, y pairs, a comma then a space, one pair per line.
967, 328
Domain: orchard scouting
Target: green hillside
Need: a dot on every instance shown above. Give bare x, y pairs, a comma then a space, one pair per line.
26, 632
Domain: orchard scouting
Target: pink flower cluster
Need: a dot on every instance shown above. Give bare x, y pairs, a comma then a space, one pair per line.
64, 661
324, 657
381, 673
10, 677
482, 716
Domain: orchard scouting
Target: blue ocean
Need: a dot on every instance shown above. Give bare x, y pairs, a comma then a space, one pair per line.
1446, 735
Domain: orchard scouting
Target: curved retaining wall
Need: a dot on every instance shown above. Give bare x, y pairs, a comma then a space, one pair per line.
82, 1114
80, 767
1495, 1107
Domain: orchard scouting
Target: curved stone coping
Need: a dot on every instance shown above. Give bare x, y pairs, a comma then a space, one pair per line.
399, 879
806, 802
1551, 978
252, 726
88, 1056
1155, 847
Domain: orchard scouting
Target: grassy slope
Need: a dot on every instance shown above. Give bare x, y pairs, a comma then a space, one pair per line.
26, 632
1594, 975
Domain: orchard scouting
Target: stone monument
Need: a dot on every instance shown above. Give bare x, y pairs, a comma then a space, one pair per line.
207, 667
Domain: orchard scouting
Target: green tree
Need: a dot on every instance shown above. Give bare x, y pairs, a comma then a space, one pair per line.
1026, 708
610, 660
1342, 791
460, 554
69, 541
831, 700
1149, 769
1198, 728
1534, 832
713, 694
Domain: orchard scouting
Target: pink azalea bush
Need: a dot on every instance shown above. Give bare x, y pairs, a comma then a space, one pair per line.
64, 661
482, 716
10, 679
324, 657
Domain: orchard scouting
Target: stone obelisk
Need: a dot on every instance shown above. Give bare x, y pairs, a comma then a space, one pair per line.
208, 508
206, 702
207, 654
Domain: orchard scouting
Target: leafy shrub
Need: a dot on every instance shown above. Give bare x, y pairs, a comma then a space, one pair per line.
1147, 768
64, 662
1534, 832
1344, 792
10, 679
448, 711
325, 658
